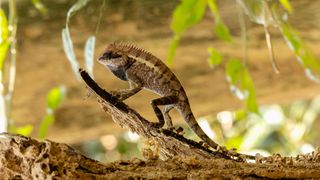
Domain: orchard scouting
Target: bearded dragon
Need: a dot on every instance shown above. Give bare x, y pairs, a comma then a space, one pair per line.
143, 70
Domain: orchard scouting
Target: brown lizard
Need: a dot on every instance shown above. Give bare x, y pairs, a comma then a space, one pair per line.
143, 70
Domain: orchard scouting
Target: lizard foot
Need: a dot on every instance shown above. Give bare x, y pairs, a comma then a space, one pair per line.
204, 144
179, 130
117, 94
171, 128
156, 125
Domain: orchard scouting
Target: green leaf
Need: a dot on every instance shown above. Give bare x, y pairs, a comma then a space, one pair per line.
222, 32
234, 142
89, 54
221, 29
263, 12
44, 126
4, 34
23, 130
187, 14
286, 4
215, 57
39, 5
240, 114
172, 49
69, 51
76, 7
55, 97
241, 84
66, 38
254, 9
302, 52
214, 9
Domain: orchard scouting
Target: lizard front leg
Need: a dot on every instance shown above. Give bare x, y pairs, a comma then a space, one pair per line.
162, 101
126, 93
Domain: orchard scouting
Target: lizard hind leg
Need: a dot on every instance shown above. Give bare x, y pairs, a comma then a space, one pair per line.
167, 117
162, 101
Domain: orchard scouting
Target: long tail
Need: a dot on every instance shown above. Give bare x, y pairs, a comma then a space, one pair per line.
188, 116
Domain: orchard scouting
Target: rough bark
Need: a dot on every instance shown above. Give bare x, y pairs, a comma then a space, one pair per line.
168, 143
26, 158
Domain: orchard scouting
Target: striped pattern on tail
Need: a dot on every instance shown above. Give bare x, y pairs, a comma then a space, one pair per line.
185, 111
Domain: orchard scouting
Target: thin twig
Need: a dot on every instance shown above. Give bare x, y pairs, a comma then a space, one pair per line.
100, 16
244, 35
13, 50
268, 38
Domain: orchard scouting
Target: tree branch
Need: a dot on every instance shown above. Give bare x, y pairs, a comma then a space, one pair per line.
170, 144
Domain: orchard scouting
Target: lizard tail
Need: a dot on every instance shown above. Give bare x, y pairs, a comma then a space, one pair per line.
188, 116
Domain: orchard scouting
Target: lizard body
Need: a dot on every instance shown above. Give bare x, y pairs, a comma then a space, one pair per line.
143, 70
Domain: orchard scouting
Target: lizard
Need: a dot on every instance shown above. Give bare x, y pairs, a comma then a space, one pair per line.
143, 70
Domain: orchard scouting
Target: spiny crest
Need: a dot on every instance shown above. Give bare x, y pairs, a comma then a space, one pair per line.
129, 49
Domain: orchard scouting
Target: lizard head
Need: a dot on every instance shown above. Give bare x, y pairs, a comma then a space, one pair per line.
116, 60
108, 55
113, 57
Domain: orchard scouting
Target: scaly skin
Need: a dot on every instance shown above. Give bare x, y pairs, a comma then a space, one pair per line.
143, 70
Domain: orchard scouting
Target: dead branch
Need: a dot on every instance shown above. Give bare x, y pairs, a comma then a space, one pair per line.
169, 143
26, 158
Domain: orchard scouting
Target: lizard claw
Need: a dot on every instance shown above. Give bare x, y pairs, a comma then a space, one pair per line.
116, 94
88, 94
204, 144
179, 130
170, 128
156, 125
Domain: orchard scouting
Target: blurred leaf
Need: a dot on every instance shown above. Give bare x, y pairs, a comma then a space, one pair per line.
66, 38
68, 49
44, 126
172, 49
89, 54
187, 14
213, 7
215, 57
234, 142
240, 115
241, 84
222, 32
23, 130
55, 97
259, 12
254, 9
286, 4
4, 34
76, 7
221, 29
302, 52
123, 146
39, 5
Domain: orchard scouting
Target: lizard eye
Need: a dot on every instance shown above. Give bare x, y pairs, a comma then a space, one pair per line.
109, 55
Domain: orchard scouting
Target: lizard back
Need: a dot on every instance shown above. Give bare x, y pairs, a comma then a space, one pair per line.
141, 67
154, 74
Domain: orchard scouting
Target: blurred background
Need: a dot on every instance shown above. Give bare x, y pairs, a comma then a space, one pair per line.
226, 54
